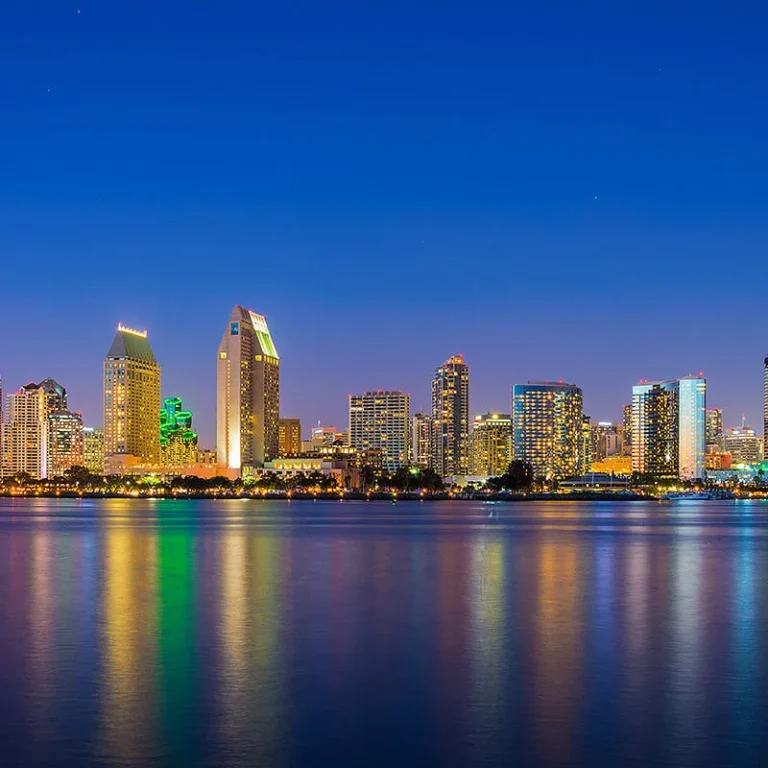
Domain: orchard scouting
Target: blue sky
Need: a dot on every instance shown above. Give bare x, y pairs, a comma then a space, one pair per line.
558, 190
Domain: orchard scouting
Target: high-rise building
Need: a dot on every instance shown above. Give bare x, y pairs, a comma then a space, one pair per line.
669, 428
586, 444
65, 442
491, 444
743, 445
380, 421
547, 428
607, 440
178, 441
714, 429
450, 417
765, 400
627, 421
247, 393
93, 449
131, 398
25, 433
55, 395
421, 440
289, 437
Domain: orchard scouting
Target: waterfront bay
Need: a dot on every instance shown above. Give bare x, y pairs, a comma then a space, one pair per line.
197, 633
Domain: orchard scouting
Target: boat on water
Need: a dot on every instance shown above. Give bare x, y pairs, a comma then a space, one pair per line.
717, 495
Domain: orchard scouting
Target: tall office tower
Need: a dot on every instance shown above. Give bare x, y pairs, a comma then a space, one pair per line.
131, 398
178, 441
65, 442
669, 428
25, 433
547, 428
765, 401
743, 443
421, 440
380, 421
491, 444
450, 417
607, 439
289, 437
55, 395
714, 429
93, 450
627, 421
247, 393
586, 444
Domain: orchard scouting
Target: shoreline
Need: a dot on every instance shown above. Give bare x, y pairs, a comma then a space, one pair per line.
349, 496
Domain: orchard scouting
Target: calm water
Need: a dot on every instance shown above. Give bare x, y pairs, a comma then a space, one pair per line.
234, 633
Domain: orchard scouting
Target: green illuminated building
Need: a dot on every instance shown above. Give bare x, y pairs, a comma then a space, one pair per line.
178, 441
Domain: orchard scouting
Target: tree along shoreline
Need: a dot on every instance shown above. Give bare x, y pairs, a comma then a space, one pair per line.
333, 496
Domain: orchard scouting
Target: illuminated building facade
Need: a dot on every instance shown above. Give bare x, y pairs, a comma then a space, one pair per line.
421, 440
93, 449
131, 398
491, 444
178, 441
25, 433
380, 421
55, 395
714, 429
607, 440
247, 393
743, 444
765, 399
65, 442
586, 444
450, 417
548, 428
289, 439
669, 428
627, 436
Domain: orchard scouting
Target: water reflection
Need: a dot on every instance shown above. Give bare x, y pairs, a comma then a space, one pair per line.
129, 703
234, 634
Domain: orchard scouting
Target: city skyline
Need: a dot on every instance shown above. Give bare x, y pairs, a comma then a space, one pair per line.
515, 152
487, 393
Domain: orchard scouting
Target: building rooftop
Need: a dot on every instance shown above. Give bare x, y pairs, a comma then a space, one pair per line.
131, 345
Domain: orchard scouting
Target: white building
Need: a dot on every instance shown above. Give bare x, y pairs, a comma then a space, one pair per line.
25, 434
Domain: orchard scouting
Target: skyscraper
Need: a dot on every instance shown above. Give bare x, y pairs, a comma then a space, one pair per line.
65, 442
714, 429
627, 421
247, 393
55, 395
380, 421
743, 444
25, 433
131, 398
421, 440
450, 415
93, 449
765, 400
669, 428
547, 424
491, 444
178, 441
289, 437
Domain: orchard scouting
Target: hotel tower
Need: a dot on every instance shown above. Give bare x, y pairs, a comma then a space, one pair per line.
247, 393
131, 398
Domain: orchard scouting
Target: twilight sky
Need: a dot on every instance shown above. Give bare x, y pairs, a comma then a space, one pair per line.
559, 190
